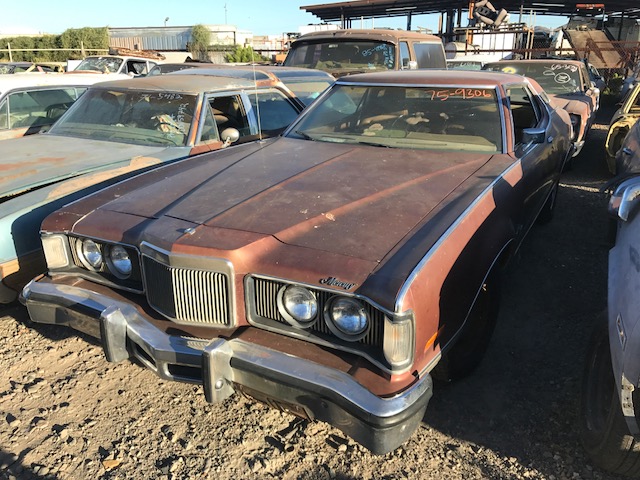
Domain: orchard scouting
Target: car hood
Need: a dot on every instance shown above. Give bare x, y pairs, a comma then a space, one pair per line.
38, 160
571, 101
352, 200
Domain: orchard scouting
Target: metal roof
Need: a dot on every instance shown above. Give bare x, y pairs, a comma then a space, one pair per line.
354, 10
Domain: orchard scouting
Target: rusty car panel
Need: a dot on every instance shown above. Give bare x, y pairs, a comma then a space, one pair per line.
347, 261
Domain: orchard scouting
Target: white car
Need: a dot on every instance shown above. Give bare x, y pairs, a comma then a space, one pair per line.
610, 413
128, 65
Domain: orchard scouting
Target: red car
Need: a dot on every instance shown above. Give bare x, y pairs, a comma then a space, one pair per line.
329, 272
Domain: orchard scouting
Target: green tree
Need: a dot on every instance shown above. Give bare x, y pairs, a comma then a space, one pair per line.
244, 55
88, 38
200, 42
18, 43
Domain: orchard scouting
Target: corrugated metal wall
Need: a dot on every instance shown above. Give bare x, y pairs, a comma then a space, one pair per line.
171, 38
150, 38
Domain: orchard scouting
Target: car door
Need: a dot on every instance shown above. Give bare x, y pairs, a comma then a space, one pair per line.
541, 160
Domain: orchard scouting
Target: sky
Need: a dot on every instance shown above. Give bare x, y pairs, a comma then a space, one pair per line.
261, 17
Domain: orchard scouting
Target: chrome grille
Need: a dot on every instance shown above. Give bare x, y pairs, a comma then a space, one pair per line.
188, 295
265, 301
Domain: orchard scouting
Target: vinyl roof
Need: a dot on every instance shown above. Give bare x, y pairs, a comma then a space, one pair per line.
354, 10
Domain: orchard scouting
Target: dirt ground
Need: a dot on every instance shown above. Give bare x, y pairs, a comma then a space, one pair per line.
68, 414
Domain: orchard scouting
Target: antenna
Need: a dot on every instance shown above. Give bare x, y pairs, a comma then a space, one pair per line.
255, 85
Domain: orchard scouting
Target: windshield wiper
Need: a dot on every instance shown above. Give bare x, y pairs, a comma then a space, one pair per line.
303, 135
373, 144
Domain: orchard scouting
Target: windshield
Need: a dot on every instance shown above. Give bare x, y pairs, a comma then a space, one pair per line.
101, 64
308, 90
433, 118
555, 78
336, 56
140, 118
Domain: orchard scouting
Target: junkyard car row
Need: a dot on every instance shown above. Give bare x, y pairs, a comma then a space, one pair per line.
327, 248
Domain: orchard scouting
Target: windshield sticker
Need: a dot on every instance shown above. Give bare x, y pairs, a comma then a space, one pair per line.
558, 77
168, 96
564, 66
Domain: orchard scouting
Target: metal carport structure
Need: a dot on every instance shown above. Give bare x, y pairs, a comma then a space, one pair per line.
347, 12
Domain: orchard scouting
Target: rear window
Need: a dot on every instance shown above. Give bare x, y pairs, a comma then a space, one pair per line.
336, 56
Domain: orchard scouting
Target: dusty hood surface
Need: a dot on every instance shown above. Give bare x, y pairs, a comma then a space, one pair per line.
353, 200
37, 160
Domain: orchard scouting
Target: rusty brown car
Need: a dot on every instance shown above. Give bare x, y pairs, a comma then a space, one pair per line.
329, 272
351, 50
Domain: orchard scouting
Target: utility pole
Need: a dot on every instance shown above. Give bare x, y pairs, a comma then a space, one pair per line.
225, 13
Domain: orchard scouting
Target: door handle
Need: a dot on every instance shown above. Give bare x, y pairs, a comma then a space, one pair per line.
627, 151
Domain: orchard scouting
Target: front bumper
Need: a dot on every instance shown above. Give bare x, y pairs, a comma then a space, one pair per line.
223, 366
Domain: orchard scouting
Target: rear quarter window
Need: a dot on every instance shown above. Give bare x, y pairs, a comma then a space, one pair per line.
430, 55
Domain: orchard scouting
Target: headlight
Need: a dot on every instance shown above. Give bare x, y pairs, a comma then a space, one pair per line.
347, 318
90, 254
298, 306
119, 262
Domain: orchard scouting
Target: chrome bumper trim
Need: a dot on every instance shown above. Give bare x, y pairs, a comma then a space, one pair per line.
224, 366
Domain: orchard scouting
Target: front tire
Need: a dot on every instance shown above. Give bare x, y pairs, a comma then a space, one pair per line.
603, 429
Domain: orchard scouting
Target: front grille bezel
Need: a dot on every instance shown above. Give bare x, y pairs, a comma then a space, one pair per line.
262, 312
103, 275
198, 268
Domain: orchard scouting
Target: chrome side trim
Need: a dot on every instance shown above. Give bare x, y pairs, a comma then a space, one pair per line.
421, 264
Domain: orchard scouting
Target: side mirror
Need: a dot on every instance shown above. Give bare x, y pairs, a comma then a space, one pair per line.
229, 136
533, 135
409, 64
624, 200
